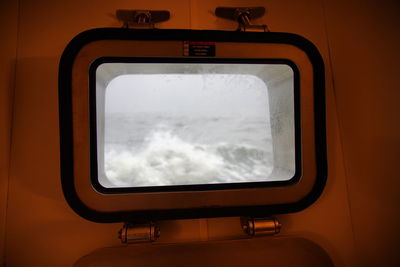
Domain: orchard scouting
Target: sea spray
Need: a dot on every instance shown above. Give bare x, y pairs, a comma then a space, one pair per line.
165, 159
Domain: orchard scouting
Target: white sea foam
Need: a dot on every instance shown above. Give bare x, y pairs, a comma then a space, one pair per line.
166, 159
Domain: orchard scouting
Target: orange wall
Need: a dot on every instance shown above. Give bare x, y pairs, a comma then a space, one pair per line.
359, 203
8, 44
364, 37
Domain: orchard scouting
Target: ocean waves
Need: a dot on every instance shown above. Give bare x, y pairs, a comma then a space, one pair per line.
164, 158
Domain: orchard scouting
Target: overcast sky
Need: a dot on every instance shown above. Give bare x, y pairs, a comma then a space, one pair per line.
201, 94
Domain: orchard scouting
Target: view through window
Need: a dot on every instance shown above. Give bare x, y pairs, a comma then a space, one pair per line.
186, 129
182, 129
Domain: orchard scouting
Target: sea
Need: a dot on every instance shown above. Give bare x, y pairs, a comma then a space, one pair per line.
154, 149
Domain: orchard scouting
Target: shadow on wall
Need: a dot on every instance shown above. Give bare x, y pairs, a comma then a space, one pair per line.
36, 205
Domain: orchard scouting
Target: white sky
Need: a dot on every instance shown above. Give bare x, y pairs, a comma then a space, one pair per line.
203, 94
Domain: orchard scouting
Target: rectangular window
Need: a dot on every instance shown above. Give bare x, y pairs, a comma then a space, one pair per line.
148, 131
163, 124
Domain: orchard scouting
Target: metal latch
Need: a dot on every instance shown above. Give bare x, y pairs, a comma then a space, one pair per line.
138, 233
141, 18
260, 226
243, 15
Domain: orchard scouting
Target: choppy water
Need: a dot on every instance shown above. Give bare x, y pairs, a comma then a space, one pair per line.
152, 149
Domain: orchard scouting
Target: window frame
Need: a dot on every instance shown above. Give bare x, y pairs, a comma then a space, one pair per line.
70, 191
190, 187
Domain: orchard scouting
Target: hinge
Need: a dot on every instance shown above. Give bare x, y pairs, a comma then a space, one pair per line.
141, 18
260, 226
243, 15
139, 233
150, 232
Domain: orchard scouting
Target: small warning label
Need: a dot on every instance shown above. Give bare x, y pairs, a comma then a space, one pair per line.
198, 49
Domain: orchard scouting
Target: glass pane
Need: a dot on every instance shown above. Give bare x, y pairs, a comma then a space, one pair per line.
180, 129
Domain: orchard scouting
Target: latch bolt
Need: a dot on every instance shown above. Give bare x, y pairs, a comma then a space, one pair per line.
243, 15
141, 18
